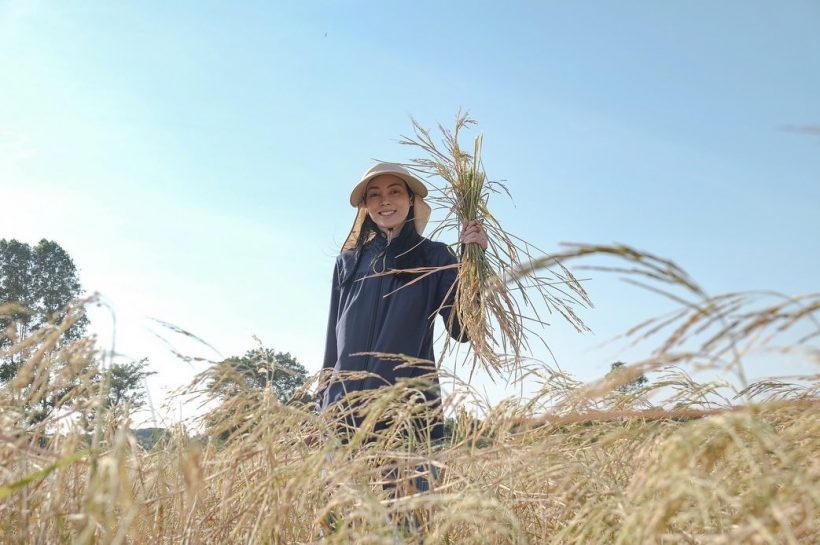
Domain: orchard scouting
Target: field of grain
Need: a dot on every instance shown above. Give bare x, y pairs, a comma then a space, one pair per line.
674, 461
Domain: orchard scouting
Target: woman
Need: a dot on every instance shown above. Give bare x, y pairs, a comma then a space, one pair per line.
377, 308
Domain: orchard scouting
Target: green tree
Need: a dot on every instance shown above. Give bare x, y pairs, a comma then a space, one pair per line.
55, 284
16, 300
37, 284
260, 368
126, 384
633, 385
239, 383
123, 388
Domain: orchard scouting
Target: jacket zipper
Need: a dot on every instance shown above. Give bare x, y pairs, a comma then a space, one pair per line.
375, 317
378, 305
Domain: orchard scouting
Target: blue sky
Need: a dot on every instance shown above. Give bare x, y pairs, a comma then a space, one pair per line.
195, 158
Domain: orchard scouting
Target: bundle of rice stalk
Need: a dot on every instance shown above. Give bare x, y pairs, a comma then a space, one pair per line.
496, 307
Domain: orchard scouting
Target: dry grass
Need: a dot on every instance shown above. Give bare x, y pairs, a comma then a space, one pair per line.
676, 462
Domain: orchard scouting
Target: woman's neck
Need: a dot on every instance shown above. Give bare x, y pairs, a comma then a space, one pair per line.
392, 233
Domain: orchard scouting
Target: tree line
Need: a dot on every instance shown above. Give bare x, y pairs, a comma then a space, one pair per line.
40, 283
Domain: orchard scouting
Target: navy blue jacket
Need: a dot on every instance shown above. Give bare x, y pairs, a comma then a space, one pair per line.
387, 314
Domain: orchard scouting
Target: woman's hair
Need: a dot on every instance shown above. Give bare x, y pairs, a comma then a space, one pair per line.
405, 248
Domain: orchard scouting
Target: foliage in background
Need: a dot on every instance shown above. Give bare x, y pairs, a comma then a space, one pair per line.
260, 369
239, 383
126, 384
40, 313
36, 286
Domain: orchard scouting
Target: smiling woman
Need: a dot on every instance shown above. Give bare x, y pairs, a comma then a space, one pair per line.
389, 284
379, 303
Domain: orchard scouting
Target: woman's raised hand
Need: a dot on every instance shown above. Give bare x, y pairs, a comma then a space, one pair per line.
473, 233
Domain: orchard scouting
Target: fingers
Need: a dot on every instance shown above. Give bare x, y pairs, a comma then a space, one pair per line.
472, 232
472, 226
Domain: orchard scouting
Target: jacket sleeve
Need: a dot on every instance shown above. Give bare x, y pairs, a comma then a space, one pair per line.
333, 315
447, 286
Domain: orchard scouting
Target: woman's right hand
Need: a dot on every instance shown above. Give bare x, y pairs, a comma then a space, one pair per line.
473, 232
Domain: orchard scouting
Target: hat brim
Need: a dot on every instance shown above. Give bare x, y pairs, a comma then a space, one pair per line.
415, 184
421, 211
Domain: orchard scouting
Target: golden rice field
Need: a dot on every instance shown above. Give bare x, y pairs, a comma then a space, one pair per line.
674, 462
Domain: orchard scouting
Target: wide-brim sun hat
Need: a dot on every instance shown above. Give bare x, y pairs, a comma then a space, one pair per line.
421, 209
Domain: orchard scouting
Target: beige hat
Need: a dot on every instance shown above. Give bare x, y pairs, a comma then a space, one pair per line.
421, 209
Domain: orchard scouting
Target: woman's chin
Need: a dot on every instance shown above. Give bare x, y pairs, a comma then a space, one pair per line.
395, 226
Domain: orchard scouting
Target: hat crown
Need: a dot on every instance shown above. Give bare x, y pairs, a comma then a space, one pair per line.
386, 168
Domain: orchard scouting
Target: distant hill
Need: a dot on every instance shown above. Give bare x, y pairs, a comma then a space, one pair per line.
148, 437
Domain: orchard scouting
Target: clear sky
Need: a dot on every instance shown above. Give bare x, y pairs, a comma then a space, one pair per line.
195, 158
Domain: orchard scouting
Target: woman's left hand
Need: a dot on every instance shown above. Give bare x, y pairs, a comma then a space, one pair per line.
473, 233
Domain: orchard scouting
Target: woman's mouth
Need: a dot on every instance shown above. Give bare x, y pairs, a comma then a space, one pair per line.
387, 213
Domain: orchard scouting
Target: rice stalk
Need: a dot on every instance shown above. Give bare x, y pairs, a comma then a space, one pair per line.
499, 310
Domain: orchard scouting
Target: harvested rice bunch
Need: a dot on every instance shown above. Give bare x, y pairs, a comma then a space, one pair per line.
498, 294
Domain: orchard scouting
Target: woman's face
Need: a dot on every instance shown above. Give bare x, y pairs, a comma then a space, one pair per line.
387, 202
